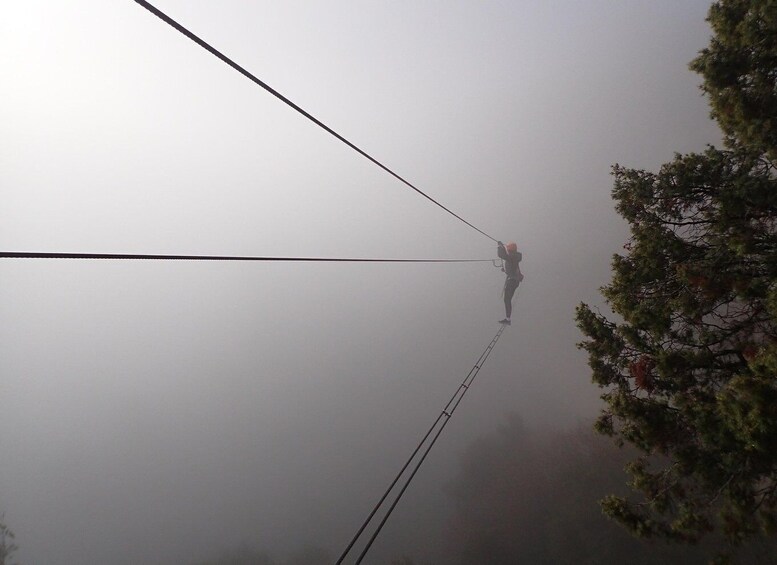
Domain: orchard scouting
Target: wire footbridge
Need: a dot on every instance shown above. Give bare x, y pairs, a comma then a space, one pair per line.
387, 503
434, 432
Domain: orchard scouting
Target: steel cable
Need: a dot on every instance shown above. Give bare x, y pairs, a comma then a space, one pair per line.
445, 417
45, 255
202, 43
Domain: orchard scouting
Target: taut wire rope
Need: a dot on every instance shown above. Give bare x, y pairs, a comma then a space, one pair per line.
125, 256
445, 417
202, 43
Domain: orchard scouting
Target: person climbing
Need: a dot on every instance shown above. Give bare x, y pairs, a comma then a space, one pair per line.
511, 257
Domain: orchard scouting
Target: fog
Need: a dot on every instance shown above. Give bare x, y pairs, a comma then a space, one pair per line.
163, 412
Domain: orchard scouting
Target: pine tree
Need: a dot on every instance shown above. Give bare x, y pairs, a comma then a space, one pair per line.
740, 71
689, 366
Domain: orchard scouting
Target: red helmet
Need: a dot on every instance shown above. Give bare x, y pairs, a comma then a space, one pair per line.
511, 247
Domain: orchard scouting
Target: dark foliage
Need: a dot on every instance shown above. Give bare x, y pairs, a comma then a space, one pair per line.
690, 365
524, 498
740, 71
7, 545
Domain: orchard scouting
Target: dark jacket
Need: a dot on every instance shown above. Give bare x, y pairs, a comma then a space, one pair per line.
511, 263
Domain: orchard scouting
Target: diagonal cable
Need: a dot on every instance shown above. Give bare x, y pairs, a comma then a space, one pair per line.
445, 417
202, 43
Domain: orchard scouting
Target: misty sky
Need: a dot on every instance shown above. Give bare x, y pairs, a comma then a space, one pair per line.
155, 412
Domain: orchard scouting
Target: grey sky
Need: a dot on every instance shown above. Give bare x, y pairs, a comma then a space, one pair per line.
155, 411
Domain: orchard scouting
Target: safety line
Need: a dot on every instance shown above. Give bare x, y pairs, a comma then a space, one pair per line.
39, 255
445, 417
167, 19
